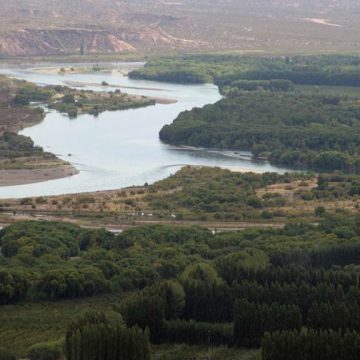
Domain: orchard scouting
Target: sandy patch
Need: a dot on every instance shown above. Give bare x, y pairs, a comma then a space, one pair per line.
322, 22
30, 176
84, 84
55, 70
164, 101
157, 99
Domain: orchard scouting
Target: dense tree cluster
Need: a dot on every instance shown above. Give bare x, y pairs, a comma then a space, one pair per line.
252, 320
271, 85
72, 283
93, 337
311, 345
223, 70
292, 130
182, 75
68, 262
189, 285
13, 286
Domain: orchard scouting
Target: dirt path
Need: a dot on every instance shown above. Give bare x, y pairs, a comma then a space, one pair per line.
120, 226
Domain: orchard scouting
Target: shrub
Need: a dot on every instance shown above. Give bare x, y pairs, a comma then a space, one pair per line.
6, 355
46, 351
21, 99
319, 211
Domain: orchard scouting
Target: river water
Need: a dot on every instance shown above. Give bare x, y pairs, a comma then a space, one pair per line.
121, 148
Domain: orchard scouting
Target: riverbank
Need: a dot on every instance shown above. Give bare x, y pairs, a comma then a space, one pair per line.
31, 176
21, 169
117, 149
174, 201
21, 162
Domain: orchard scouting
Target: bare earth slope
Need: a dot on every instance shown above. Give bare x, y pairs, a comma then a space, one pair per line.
35, 27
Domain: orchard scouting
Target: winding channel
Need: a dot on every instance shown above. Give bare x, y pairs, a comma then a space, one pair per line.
121, 148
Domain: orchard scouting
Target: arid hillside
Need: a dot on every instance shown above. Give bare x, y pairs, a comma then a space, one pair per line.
34, 27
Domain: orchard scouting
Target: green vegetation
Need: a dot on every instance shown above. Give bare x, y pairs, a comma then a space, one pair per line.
27, 92
89, 102
72, 102
210, 197
190, 280
183, 351
94, 336
292, 130
13, 145
46, 351
184, 288
265, 110
224, 70
335, 345
6, 355
19, 152
217, 194
269, 85
25, 325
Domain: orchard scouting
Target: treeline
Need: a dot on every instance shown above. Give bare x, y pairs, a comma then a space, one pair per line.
255, 297
14, 146
293, 130
271, 85
223, 70
93, 336
203, 303
299, 75
239, 314
184, 75
46, 260
188, 285
312, 345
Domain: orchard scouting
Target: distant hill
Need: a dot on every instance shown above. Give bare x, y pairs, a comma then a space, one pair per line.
36, 27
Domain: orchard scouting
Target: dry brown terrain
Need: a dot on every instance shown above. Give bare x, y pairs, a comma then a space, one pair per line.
299, 207
35, 27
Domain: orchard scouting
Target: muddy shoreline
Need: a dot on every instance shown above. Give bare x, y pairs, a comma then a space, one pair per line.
31, 176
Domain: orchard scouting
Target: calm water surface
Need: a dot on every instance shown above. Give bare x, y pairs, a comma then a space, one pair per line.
121, 148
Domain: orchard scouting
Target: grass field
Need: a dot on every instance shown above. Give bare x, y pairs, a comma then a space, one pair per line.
24, 325
185, 352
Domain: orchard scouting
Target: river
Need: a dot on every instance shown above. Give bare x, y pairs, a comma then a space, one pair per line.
121, 148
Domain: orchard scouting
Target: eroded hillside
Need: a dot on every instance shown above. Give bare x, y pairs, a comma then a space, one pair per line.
104, 26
